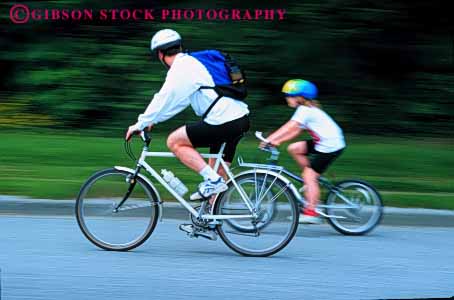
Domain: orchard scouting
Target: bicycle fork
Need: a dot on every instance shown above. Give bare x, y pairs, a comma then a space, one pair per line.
132, 180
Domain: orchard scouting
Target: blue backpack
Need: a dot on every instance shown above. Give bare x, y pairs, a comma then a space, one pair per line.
227, 75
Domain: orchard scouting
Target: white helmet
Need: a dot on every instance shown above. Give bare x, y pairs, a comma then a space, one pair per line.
164, 39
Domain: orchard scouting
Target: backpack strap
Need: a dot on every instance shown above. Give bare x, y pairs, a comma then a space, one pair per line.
213, 103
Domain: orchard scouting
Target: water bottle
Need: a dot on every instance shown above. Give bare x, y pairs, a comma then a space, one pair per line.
174, 182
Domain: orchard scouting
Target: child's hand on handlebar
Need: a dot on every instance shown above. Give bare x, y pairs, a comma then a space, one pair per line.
267, 146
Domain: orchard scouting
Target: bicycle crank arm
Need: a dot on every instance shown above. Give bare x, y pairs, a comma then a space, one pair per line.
207, 236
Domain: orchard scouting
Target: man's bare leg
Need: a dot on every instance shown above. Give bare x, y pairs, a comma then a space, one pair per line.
221, 171
178, 142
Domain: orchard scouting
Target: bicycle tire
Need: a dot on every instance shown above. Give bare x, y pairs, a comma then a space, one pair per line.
290, 211
372, 194
83, 204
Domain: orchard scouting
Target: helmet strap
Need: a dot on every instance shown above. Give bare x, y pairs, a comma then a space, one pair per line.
163, 60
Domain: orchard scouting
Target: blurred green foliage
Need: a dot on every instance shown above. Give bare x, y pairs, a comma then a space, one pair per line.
382, 67
409, 173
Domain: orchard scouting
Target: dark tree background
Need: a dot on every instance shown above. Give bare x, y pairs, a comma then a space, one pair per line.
382, 67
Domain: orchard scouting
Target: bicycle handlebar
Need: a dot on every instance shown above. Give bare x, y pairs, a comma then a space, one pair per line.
259, 135
269, 147
146, 137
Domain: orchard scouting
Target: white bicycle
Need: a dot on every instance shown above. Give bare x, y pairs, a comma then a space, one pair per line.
118, 208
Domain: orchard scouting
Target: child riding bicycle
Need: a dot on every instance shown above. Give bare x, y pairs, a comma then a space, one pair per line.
315, 155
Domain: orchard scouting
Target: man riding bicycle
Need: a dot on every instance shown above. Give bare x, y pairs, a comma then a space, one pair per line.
225, 122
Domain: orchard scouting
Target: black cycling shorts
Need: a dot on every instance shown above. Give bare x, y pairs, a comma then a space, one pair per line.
320, 161
202, 134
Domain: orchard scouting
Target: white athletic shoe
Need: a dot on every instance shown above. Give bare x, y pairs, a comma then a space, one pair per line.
208, 188
188, 228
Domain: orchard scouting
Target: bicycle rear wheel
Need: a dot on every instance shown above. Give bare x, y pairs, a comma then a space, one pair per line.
276, 209
361, 215
119, 229
265, 219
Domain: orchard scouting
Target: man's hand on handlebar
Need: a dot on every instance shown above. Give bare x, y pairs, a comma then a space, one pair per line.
133, 129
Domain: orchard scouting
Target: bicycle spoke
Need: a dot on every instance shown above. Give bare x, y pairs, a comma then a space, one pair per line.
135, 206
282, 190
256, 185
271, 185
261, 188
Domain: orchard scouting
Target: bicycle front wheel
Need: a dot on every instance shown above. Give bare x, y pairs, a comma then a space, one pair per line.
276, 209
113, 227
356, 206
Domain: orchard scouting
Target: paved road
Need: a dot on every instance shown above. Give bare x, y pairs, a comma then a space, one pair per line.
12, 205
48, 258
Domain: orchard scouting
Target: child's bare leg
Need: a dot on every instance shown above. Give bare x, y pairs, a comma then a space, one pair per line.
312, 189
298, 151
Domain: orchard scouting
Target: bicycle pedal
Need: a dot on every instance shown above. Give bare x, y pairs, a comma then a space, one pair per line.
194, 232
188, 228
210, 235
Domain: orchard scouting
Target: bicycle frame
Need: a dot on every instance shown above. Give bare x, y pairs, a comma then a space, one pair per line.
219, 161
322, 180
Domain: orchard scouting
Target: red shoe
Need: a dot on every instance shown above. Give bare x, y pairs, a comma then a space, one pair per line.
309, 216
310, 212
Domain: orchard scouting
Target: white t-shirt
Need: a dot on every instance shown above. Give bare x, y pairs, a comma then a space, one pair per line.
327, 135
181, 89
